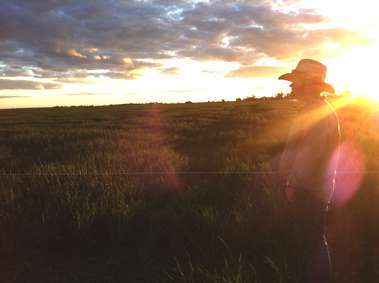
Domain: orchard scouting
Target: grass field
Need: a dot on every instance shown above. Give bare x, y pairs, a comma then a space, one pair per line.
165, 193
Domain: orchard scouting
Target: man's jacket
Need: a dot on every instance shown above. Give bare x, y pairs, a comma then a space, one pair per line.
309, 160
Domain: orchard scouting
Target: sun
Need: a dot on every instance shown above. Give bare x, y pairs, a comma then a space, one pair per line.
356, 69
356, 72
351, 65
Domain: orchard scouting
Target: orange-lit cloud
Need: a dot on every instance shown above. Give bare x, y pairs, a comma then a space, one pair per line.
74, 53
90, 49
256, 71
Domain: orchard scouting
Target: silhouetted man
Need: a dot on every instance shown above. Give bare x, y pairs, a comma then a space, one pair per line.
308, 166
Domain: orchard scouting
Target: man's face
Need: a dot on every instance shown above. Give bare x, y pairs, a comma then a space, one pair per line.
305, 89
297, 88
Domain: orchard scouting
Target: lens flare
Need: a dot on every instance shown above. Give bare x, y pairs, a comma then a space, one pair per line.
349, 161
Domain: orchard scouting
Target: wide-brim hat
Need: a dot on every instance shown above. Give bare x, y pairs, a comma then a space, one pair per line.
311, 72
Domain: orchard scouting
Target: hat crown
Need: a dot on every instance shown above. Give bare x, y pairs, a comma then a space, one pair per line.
312, 68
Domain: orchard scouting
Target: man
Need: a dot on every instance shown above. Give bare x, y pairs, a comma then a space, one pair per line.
308, 167
314, 136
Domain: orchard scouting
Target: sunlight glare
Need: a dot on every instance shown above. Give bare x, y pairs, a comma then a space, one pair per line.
356, 72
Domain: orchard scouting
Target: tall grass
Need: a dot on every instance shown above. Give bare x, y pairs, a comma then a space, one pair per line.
131, 193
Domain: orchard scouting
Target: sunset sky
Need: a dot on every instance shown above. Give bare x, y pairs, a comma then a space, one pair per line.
118, 51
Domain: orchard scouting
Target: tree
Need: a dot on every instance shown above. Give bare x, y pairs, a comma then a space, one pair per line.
250, 98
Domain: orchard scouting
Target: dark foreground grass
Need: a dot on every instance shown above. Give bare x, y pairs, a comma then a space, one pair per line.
164, 193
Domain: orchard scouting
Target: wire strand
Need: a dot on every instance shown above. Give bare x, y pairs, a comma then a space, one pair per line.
332, 192
146, 173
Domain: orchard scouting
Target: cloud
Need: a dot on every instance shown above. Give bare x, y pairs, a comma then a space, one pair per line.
74, 53
178, 91
12, 96
256, 71
66, 38
6, 84
171, 71
80, 94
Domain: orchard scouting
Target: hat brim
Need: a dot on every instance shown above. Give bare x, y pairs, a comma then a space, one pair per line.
325, 87
289, 77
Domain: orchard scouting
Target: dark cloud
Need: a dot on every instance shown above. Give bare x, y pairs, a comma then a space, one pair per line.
15, 71
24, 84
66, 38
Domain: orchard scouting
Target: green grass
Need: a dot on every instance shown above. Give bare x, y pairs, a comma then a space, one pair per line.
69, 213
